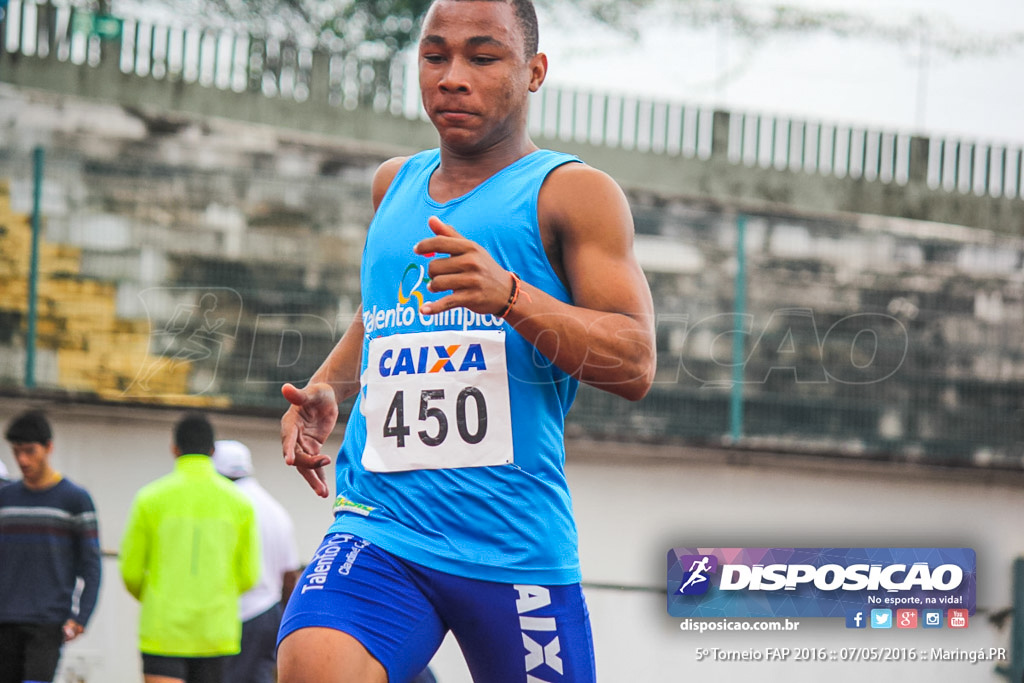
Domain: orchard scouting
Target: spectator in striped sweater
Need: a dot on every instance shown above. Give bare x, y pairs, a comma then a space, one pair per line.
48, 542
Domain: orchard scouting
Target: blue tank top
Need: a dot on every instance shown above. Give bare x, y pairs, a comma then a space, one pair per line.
453, 455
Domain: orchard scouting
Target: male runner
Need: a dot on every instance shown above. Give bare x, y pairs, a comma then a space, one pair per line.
495, 277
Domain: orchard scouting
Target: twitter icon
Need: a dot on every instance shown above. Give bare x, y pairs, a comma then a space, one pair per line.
881, 618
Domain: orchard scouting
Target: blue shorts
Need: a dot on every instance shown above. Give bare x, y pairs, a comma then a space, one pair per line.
401, 611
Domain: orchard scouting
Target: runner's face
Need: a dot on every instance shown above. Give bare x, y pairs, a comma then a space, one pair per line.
474, 76
33, 459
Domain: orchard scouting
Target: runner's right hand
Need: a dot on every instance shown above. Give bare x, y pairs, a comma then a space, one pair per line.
304, 430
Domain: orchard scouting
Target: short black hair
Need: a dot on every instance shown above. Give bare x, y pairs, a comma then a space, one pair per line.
194, 434
30, 427
526, 15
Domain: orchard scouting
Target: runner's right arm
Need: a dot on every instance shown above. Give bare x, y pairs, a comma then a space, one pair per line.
313, 413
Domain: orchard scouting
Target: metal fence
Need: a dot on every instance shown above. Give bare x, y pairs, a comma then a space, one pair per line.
287, 69
170, 283
176, 285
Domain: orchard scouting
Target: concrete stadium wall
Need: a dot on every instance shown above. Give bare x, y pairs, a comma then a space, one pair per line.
633, 503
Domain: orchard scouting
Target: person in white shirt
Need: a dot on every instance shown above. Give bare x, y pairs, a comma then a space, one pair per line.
260, 608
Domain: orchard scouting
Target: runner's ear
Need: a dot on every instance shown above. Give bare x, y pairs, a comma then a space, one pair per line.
538, 71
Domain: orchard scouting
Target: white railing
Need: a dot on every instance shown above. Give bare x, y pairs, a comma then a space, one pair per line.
285, 69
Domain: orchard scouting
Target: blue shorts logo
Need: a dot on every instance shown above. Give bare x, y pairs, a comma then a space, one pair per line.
696, 570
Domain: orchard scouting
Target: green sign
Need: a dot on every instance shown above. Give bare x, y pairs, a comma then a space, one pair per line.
107, 26
103, 26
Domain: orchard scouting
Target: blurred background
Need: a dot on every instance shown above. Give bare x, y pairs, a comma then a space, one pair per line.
829, 205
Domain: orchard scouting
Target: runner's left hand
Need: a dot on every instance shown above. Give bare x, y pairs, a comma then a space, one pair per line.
475, 279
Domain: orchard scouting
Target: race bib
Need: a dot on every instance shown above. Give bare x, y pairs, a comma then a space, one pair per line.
437, 400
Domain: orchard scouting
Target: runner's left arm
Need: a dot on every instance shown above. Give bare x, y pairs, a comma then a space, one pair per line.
606, 336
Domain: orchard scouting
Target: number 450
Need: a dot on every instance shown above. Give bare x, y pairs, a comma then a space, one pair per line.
395, 426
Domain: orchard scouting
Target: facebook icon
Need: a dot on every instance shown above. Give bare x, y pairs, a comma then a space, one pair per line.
856, 619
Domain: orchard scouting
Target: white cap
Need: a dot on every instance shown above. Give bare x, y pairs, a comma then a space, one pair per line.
232, 459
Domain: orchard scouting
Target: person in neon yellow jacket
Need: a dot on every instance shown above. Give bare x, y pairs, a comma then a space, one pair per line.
190, 549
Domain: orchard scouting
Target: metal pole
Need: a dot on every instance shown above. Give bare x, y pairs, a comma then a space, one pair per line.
1014, 671
33, 274
738, 347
